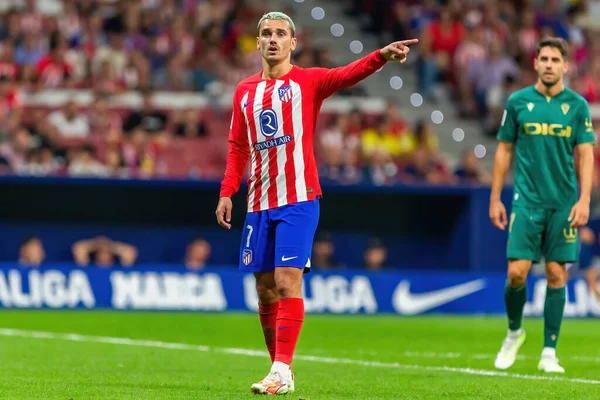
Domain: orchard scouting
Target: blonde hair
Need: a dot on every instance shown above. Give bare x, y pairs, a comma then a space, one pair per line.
277, 15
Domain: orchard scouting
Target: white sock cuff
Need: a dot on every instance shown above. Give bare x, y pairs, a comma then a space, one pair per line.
280, 367
517, 332
549, 352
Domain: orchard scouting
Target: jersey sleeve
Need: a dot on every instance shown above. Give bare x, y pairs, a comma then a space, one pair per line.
584, 131
330, 80
239, 151
509, 127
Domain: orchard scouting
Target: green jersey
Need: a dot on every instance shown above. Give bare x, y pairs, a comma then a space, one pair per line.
545, 131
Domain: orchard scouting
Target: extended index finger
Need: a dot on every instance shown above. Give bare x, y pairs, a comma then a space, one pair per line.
409, 41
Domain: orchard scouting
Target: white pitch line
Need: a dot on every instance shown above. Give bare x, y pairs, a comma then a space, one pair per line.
475, 356
484, 356
74, 337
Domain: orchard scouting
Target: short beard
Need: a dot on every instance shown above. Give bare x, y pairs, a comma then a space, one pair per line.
549, 84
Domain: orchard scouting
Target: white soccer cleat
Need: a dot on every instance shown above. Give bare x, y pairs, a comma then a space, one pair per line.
291, 385
274, 384
510, 347
550, 365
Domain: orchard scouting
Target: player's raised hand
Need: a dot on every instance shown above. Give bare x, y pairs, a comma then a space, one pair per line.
580, 214
398, 51
498, 214
224, 212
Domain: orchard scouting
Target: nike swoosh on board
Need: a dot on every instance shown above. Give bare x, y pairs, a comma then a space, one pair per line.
408, 303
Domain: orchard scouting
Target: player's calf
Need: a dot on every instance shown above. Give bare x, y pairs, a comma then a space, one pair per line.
268, 307
515, 296
554, 306
515, 292
290, 317
268, 320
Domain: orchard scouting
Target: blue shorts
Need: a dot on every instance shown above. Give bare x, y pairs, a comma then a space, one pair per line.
280, 237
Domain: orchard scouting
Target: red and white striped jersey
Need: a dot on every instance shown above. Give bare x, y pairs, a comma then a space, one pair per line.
273, 126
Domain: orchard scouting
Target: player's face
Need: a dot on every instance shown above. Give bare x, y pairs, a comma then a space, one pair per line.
275, 41
550, 66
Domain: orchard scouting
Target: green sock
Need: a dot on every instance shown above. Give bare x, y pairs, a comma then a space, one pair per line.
554, 308
515, 299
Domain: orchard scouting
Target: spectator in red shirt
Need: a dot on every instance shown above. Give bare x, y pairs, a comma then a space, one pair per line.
8, 66
589, 85
9, 98
438, 45
53, 70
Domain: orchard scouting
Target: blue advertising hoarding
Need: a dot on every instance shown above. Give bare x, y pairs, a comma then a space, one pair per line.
439, 227
156, 287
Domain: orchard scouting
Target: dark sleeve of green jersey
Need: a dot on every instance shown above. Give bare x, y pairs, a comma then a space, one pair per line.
584, 131
508, 127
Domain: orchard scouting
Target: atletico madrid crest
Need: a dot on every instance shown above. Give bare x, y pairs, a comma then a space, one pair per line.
247, 257
285, 93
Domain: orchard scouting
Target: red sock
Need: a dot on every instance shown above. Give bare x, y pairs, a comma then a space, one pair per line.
268, 320
289, 324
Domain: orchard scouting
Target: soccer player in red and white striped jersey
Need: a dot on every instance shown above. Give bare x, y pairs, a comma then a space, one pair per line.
273, 125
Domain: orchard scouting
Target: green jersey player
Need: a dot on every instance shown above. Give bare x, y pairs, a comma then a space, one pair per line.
543, 126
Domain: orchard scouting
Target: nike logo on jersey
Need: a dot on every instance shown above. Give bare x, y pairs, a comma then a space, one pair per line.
284, 258
408, 303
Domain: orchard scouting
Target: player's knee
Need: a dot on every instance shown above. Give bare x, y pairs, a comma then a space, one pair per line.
517, 275
289, 282
267, 292
556, 275
267, 295
516, 280
289, 288
556, 280
586, 235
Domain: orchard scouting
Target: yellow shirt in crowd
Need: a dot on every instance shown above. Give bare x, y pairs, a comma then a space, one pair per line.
396, 145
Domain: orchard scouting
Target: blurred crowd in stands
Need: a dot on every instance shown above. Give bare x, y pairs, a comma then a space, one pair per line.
482, 50
146, 46
385, 150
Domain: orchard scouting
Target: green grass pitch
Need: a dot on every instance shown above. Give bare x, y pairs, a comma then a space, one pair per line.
155, 355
